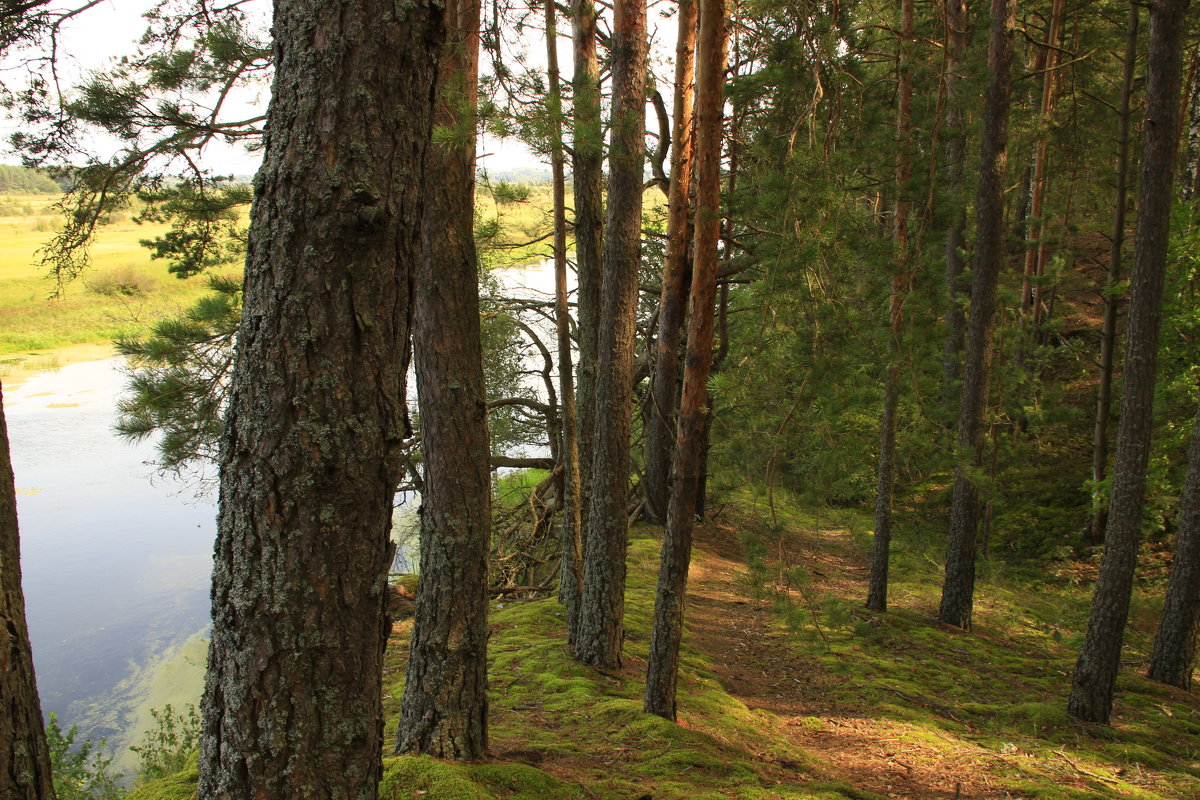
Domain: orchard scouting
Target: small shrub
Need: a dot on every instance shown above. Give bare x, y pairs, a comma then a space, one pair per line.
124, 281
80, 768
167, 747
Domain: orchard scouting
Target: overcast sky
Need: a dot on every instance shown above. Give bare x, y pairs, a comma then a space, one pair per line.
111, 28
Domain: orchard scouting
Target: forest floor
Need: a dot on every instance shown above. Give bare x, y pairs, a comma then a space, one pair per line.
790, 690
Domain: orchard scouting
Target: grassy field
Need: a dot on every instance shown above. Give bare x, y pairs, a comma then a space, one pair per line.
123, 292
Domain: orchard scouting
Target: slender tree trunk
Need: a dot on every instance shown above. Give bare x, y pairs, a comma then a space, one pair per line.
1108, 334
660, 428
588, 182
1036, 224
886, 465
571, 578
1175, 645
444, 708
956, 145
958, 589
26, 773
601, 630
662, 670
1100, 657
311, 453
1191, 179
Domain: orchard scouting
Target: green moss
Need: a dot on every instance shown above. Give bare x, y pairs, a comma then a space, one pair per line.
405, 776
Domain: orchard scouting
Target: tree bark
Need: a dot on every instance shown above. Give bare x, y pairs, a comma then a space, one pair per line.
1175, 645
570, 583
956, 144
26, 774
958, 590
444, 708
1191, 180
310, 455
1100, 656
662, 670
586, 163
601, 630
1108, 333
886, 465
672, 305
1036, 224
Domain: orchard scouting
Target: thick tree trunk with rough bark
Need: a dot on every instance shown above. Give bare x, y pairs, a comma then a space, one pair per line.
588, 180
672, 304
958, 590
1116, 250
310, 456
26, 773
662, 669
601, 628
885, 472
1100, 656
444, 709
1175, 645
570, 583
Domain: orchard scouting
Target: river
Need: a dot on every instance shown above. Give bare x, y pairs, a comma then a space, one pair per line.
117, 559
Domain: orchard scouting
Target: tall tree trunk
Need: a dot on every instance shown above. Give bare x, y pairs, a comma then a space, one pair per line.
662, 670
26, 773
1191, 179
444, 708
310, 456
956, 144
886, 465
571, 577
1108, 334
958, 590
601, 630
1175, 645
1036, 224
660, 427
586, 163
1100, 656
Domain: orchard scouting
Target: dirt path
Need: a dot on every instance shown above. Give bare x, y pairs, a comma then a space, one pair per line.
756, 665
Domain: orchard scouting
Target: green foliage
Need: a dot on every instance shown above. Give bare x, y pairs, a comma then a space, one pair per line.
207, 231
507, 194
179, 375
167, 748
81, 769
165, 104
23, 180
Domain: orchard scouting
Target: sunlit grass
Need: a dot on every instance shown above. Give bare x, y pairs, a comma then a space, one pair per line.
122, 293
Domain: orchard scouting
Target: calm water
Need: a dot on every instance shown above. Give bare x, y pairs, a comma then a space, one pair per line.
116, 560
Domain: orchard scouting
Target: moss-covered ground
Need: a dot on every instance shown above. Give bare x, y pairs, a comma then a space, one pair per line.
789, 689
989, 704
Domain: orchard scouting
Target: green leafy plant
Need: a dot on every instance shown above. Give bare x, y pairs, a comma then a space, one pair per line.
167, 747
81, 768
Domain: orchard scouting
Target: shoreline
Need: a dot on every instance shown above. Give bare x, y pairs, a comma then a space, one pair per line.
17, 368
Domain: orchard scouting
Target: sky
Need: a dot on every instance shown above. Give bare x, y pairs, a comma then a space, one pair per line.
110, 28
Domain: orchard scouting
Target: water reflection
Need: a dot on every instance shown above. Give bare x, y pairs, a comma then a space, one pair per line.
116, 561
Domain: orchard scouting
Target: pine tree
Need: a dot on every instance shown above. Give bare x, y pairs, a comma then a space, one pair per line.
444, 709
316, 420
662, 669
1099, 658
601, 632
959, 587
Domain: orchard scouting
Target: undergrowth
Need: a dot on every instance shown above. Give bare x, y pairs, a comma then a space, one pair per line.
999, 691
